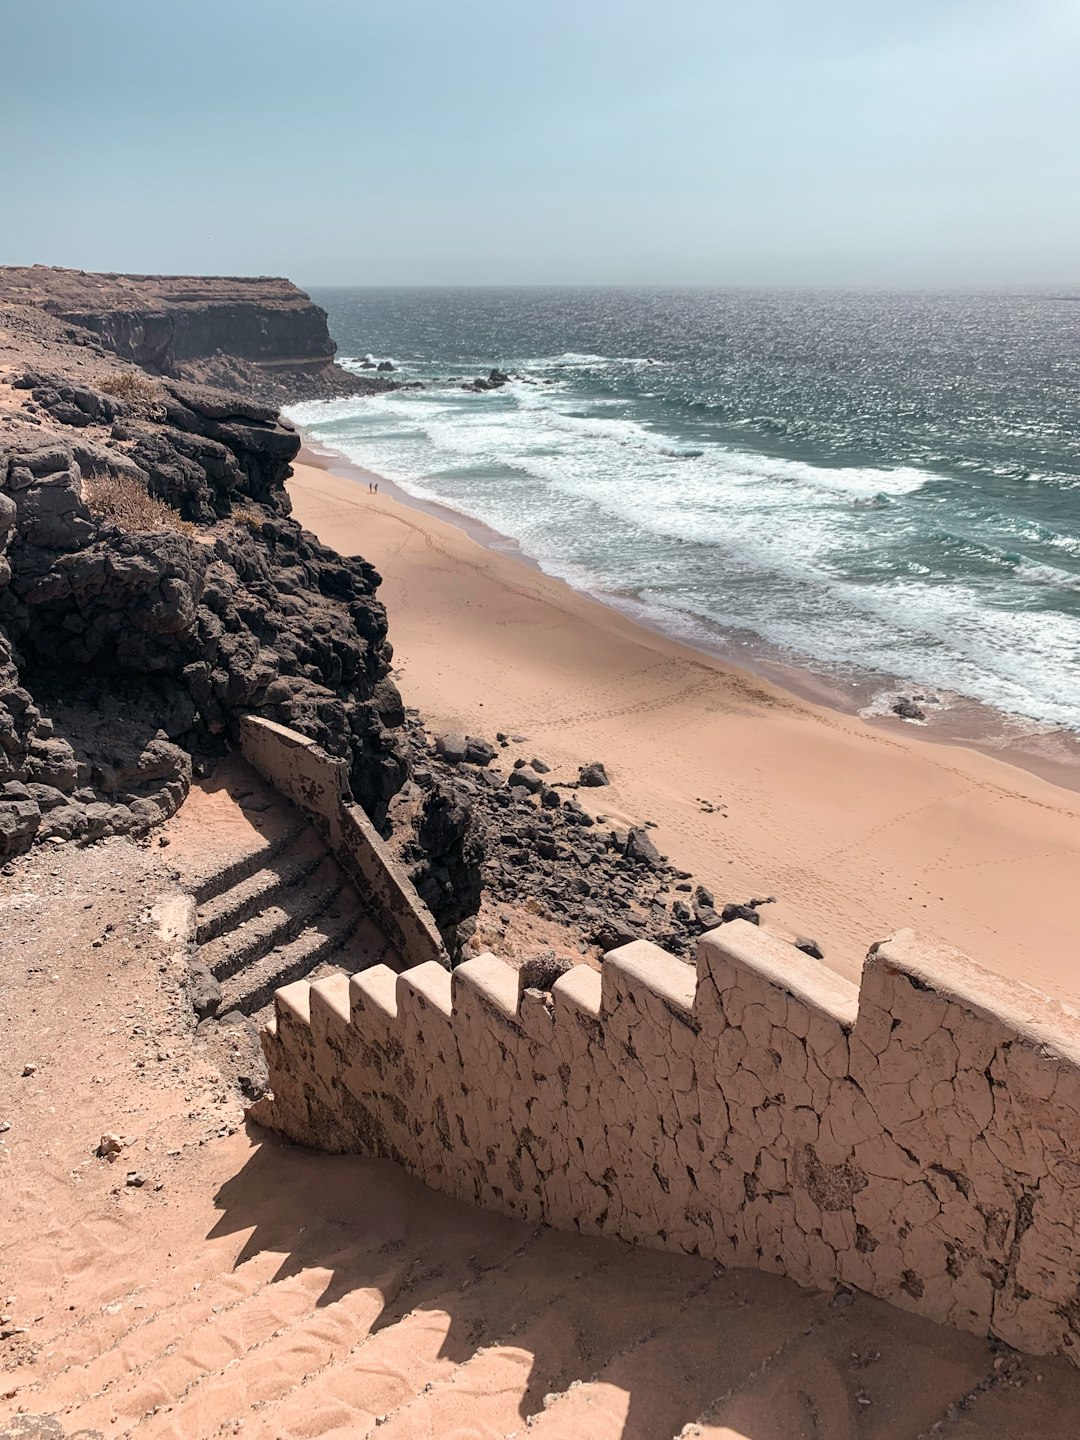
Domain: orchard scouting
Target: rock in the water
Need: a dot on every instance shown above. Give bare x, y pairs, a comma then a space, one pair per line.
908, 710
593, 775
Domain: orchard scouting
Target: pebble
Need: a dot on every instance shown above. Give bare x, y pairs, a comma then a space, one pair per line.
109, 1146
136, 1179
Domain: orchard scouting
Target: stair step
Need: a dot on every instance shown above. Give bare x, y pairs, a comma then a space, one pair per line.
212, 1370
210, 886
382, 1374
274, 925
329, 936
724, 1333
240, 901
859, 1363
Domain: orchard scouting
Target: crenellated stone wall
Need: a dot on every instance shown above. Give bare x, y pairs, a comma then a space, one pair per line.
917, 1137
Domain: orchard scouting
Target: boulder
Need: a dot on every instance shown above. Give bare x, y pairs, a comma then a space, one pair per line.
526, 779
453, 748
593, 775
740, 912
908, 710
203, 991
479, 752
640, 848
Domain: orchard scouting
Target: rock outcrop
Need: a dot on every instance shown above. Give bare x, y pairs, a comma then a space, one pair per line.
257, 335
153, 589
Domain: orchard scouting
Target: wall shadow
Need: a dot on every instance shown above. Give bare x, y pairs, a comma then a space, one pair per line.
667, 1339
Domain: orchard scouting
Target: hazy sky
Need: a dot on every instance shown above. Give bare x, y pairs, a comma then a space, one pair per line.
593, 141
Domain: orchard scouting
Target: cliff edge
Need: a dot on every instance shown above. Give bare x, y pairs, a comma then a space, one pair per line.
257, 334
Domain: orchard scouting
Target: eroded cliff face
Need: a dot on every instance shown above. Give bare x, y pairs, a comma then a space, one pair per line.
258, 335
154, 589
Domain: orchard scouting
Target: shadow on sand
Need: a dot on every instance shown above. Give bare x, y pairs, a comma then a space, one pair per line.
655, 1341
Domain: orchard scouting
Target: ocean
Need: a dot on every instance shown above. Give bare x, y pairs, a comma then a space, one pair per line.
877, 490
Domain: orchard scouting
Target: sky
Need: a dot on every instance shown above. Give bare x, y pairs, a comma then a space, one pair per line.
412, 142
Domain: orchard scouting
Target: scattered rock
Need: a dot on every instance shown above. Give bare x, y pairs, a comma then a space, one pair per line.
452, 748
639, 847
740, 912
593, 775
136, 1179
479, 752
809, 947
908, 710
109, 1146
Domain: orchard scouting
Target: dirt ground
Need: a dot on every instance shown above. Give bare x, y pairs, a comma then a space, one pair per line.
210, 1280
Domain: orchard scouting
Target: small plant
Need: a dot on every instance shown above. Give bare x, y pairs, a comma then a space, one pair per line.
131, 386
124, 500
241, 515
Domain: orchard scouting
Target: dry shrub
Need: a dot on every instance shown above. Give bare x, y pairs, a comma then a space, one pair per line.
123, 499
241, 515
130, 385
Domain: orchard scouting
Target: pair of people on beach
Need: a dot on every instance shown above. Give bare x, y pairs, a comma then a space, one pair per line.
373, 487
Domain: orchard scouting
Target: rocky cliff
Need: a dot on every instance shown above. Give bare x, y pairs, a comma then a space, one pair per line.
153, 589
259, 335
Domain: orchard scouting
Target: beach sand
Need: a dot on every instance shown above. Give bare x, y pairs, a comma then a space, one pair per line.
855, 830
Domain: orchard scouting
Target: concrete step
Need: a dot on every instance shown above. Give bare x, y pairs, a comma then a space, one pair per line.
275, 924
296, 863
326, 939
263, 852
551, 1329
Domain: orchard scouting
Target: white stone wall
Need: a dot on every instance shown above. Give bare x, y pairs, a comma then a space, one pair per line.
918, 1138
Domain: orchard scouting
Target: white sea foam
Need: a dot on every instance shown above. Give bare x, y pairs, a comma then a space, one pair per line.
700, 534
1047, 575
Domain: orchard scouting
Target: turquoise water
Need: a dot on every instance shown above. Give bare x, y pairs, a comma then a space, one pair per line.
856, 484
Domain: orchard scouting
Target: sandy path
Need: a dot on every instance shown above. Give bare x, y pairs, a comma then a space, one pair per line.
855, 831
251, 1287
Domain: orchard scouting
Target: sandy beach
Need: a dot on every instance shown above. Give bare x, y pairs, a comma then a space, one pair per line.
856, 832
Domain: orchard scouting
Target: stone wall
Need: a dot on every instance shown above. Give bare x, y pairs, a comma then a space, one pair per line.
317, 783
917, 1137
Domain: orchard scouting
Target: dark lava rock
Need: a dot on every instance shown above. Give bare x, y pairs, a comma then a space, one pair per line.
593, 775
612, 932
809, 947
740, 912
640, 848
452, 748
479, 752
908, 710
526, 779
203, 990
